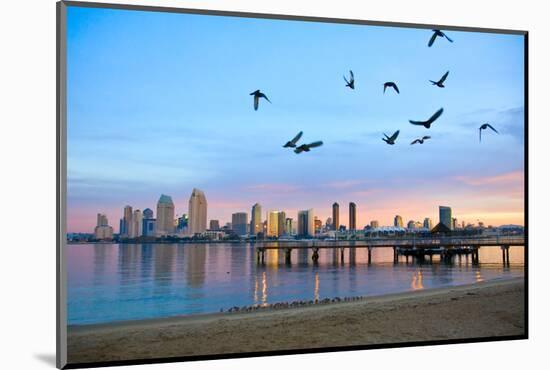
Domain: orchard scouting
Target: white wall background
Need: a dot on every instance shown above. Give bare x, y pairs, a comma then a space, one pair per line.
27, 188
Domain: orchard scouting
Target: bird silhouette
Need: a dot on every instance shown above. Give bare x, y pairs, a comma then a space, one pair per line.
391, 84
421, 140
307, 147
441, 80
429, 122
351, 82
391, 140
292, 143
257, 95
485, 126
436, 34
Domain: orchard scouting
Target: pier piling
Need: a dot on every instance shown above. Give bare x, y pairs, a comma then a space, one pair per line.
505, 254
315, 255
288, 254
370, 255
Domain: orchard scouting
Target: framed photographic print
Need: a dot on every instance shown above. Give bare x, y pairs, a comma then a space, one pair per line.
235, 184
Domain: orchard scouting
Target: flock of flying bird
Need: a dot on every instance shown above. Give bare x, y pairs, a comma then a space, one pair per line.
390, 140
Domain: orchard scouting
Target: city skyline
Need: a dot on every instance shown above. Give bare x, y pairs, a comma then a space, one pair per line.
274, 224
139, 124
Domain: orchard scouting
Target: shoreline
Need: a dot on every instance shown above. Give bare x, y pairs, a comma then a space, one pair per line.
269, 309
485, 309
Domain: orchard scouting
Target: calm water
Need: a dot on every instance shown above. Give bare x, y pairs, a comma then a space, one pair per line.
112, 282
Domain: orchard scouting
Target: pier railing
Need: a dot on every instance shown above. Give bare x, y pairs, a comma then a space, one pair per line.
446, 246
406, 242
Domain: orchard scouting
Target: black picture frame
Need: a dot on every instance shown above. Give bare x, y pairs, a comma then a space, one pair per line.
61, 175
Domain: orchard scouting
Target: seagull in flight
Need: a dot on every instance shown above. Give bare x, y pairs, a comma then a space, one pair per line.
257, 95
437, 33
421, 141
428, 123
441, 80
351, 82
307, 147
292, 143
391, 84
391, 140
485, 126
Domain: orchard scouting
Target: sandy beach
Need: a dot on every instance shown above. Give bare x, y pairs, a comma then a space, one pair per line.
494, 308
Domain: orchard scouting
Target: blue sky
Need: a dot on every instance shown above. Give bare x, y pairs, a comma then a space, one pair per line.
159, 103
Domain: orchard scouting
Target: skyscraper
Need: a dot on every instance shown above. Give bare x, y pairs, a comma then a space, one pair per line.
137, 224
288, 226
239, 222
281, 229
165, 216
335, 216
197, 212
306, 226
445, 216
103, 230
149, 226
126, 222
256, 219
317, 225
411, 225
352, 216
374, 224
397, 221
428, 223
102, 220
214, 225
147, 214
272, 223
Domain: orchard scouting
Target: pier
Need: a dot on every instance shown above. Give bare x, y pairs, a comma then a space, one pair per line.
446, 247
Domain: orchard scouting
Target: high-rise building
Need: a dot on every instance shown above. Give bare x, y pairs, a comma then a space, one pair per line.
428, 223
317, 225
147, 214
335, 216
306, 226
374, 224
165, 216
126, 222
352, 216
445, 216
272, 223
256, 219
137, 224
239, 222
214, 225
289, 226
197, 212
103, 231
398, 221
102, 220
149, 226
411, 225
281, 228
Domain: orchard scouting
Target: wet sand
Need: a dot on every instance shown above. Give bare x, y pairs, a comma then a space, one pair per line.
494, 308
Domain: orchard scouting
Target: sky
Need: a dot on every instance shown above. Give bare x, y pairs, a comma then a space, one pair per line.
158, 103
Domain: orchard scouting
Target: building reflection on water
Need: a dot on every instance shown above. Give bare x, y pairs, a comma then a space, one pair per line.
111, 282
416, 283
